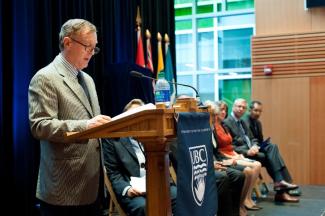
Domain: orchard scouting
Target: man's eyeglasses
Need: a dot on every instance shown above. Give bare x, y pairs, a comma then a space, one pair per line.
88, 48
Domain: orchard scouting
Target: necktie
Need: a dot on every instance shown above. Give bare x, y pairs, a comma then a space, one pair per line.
243, 134
81, 81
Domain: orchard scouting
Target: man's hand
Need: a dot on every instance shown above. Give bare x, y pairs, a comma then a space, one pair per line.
218, 166
253, 150
98, 120
229, 162
132, 192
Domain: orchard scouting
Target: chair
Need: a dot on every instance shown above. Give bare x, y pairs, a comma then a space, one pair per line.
260, 182
173, 173
114, 206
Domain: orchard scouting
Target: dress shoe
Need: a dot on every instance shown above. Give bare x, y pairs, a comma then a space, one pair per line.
295, 192
253, 208
283, 185
284, 197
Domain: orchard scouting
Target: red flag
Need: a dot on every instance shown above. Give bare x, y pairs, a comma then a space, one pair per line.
149, 53
140, 56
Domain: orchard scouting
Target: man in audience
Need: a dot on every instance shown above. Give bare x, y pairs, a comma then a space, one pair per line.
255, 126
123, 159
267, 153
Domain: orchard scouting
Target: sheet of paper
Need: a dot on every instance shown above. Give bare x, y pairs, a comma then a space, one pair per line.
139, 183
148, 106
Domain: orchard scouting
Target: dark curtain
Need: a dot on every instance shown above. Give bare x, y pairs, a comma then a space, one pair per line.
29, 41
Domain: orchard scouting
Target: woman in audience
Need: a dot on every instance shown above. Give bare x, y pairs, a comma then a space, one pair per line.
223, 144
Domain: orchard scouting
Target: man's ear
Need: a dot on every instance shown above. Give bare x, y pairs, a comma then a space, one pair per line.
66, 42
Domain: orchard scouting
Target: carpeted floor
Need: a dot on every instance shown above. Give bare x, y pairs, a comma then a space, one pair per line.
312, 203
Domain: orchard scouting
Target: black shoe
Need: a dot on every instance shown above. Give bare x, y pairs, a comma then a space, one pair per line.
285, 186
295, 192
284, 197
253, 208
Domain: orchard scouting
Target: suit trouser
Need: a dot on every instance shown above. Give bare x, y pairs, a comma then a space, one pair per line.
84, 210
229, 184
272, 160
136, 206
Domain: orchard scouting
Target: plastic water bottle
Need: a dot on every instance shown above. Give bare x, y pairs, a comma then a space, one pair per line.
162, 90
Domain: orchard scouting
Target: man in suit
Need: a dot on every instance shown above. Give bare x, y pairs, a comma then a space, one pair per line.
69, 173
255, 126
125, 158
245, 143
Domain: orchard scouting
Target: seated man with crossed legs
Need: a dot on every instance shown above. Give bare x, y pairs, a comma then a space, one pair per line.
269, 155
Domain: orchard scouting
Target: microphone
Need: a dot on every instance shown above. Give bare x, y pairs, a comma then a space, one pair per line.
140, 75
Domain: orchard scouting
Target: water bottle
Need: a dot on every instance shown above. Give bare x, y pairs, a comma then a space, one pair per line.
162, 90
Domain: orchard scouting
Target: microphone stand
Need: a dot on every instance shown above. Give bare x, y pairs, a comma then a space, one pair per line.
140, 75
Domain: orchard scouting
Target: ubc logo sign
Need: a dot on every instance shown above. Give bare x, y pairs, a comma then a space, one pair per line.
199, 158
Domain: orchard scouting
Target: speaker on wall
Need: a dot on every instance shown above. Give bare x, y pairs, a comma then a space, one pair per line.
314, 3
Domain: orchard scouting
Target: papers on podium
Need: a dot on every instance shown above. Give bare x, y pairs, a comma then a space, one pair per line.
139, 183
148, 106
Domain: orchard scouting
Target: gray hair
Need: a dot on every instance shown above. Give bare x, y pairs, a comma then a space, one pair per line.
74, 26
214, 108
239, 100
135, 101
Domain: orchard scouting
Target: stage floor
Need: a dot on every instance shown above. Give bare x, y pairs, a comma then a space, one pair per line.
312, 203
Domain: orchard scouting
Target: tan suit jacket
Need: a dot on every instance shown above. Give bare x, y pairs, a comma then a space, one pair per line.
68, 172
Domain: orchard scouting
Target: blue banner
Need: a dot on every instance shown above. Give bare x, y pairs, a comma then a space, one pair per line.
196, 184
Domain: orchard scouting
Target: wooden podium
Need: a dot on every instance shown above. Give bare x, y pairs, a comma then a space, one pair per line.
154, 129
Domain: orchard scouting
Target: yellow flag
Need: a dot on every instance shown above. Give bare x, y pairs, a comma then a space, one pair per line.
160, 65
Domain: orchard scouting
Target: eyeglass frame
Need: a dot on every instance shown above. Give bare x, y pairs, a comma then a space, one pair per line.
87, 47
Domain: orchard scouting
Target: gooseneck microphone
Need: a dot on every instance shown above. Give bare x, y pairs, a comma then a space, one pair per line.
140, 75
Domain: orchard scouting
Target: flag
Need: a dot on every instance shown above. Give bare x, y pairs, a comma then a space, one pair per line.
160, 65
140, 56
149, 57
169, 72
149, 53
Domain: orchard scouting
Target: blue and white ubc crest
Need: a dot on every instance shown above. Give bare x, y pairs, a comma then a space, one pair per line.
199, 159
196, 181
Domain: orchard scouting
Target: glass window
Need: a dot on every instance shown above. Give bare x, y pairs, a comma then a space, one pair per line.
182, 1
234, 48
185, 79
208, 6
183, 11
242, 19
184, 53
183, 25
201, 9
206, 51
206, 87
213, 49
239, 4
231, 89
205, 23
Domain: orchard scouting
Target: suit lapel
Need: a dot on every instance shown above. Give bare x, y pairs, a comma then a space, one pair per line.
73, 84
126, 143
79, 92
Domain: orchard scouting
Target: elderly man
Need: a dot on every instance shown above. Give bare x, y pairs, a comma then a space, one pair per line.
267, 153
62, 98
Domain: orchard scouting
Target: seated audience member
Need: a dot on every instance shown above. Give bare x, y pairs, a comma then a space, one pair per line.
269, 155
229, 183
255, 126
123, 159
224, 152
224, 141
